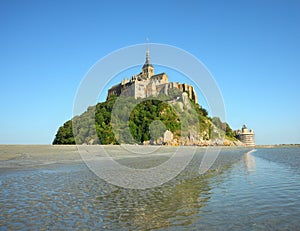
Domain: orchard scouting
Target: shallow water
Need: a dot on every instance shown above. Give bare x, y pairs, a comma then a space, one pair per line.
254, 191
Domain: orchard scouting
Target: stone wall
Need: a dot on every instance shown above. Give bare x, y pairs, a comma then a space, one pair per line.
146, 88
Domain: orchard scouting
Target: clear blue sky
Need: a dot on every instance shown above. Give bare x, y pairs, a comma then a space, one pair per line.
252, 48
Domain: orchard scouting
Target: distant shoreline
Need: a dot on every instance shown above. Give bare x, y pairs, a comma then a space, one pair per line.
199, 146
106, 145
276, 145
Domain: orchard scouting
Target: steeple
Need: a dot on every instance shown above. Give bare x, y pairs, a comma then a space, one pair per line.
148, 69
147, 62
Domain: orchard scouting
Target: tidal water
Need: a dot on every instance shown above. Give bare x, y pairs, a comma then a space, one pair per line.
256, 190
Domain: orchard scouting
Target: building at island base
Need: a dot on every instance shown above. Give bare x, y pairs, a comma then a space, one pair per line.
246, 136
147, 84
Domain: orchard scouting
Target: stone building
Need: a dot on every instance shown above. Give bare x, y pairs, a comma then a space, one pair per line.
246, 136
146, 84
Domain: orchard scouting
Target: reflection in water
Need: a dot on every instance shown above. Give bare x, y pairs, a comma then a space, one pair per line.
153, 209
250, 162
266, 200
78, 199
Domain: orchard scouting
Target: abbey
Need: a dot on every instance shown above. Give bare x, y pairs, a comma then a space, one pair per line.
146, 84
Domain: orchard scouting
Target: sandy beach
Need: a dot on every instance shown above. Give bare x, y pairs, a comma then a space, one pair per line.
22, 156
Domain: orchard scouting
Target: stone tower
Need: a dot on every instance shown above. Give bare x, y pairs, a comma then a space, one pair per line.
148, 69
246, 136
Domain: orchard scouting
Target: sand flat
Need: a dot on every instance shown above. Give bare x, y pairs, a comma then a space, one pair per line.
20, 156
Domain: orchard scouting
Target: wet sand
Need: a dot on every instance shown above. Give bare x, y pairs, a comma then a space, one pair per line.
22, 156
26, 156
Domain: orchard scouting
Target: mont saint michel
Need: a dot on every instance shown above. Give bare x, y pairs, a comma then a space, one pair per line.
160, 112
102, 129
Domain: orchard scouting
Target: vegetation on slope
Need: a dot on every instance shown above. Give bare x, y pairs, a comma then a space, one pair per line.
129, 120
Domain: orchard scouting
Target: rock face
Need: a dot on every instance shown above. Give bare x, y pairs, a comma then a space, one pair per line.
192, 140
168, 136
185, 100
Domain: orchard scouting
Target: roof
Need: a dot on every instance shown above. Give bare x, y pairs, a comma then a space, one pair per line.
157, 75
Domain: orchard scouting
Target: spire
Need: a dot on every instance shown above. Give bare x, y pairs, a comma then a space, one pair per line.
147, 62
148, 69
148, 57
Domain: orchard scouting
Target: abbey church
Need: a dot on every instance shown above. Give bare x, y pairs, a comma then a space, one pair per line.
147, 83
